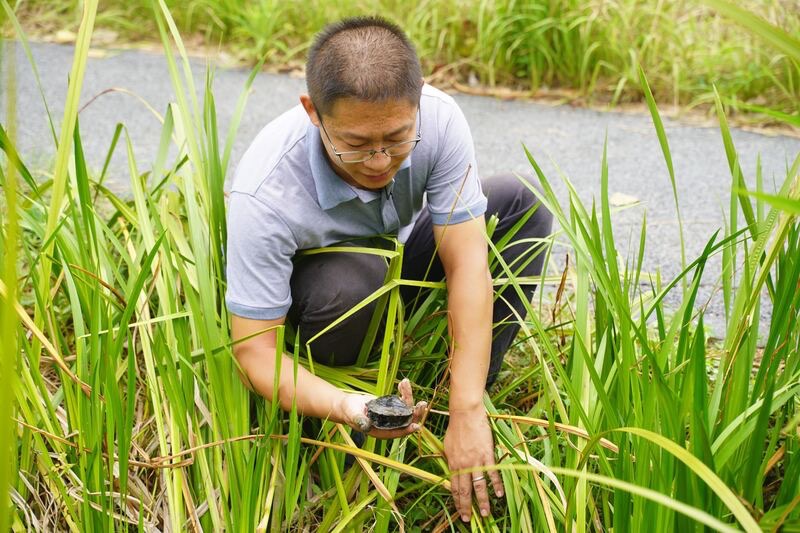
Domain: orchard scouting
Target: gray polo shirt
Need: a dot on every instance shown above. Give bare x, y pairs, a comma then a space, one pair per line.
285, 197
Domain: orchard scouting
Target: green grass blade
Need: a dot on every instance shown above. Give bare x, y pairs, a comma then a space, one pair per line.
9, 354
664, 142
23, 39
784, 203
60, 175
785, 42
791, 119
643, 492
14, 160
739, 186
704, 472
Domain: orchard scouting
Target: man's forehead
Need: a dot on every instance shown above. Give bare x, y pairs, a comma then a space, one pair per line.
352, 109
358, 118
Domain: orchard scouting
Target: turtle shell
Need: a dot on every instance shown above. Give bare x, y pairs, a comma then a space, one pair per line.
389, 412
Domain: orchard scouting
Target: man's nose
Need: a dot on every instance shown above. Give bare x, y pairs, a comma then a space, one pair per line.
379, 161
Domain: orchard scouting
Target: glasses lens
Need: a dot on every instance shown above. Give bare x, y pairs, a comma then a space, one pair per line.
400, 149
396, 150
355, 157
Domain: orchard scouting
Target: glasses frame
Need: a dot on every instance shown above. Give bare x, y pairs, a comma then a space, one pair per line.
369, 154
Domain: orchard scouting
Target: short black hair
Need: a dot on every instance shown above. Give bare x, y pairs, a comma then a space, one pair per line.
367, 58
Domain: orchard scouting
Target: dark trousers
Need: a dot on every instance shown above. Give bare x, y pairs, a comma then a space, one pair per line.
325, 286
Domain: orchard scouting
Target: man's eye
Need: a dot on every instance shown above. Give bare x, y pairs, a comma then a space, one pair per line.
365, 146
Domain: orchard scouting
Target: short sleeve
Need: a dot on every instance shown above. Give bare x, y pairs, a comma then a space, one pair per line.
259, 260
454, 195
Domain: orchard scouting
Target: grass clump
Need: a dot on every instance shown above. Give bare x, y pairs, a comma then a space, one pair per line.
580, 51
127, 412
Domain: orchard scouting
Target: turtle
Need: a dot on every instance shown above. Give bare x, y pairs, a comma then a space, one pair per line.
389, 412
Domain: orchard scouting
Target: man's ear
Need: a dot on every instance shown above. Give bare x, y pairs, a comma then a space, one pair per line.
308, 105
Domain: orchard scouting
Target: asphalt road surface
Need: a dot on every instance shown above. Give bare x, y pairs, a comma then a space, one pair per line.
564, 140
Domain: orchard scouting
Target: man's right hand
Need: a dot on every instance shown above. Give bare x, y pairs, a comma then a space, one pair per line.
313, 396
353, 410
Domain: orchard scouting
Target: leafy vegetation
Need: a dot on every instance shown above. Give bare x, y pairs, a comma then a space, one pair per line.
569, 48
612, 413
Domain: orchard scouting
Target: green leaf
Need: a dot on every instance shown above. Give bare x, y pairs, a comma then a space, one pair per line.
784, 203
775, 36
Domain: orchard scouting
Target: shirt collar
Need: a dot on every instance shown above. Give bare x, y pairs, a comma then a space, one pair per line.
331, 189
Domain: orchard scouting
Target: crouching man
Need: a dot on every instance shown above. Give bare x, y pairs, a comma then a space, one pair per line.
373, 150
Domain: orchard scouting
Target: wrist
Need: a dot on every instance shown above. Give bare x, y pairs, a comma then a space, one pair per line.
466, 398
466, 405
468, 379
339, 410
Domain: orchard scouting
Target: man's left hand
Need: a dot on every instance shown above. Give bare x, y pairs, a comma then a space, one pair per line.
468, 444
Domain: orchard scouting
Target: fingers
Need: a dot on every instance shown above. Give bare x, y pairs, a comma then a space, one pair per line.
419, 411
416, 418
355, 411
461, 487
469, 448
362, 423
480, 487
404, 388
394, 433
497, 482
493, 475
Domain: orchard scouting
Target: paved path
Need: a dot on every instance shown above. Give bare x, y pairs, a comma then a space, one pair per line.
572, 138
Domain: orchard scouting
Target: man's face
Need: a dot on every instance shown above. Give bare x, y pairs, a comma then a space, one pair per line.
358, 125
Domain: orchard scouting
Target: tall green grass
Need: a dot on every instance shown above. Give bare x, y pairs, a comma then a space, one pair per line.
613, 410
9, 239
584, 50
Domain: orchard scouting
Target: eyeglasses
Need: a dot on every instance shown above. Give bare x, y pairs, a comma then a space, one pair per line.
359, 156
